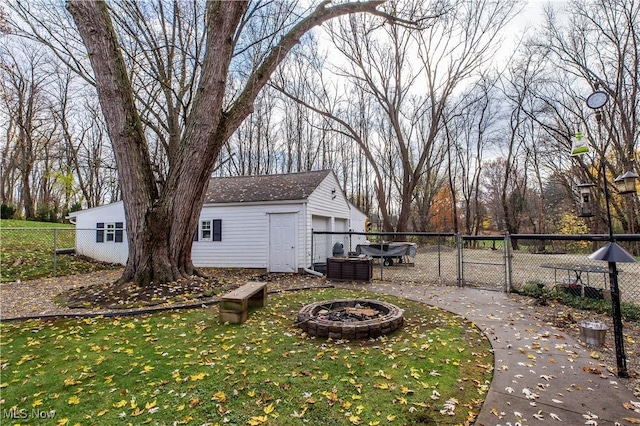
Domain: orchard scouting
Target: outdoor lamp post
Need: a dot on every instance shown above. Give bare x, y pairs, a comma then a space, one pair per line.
611, 252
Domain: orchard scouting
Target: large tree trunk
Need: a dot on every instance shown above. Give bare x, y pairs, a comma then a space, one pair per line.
125, 129
161, 225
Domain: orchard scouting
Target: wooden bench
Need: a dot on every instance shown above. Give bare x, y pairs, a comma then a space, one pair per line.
234, 305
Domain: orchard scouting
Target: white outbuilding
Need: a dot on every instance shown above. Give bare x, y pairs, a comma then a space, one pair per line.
262, 222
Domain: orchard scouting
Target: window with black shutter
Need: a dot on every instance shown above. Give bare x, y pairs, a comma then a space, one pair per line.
119, 231
210, 230
217, 230
100, 232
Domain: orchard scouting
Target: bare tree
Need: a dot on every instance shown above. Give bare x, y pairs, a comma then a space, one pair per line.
517, 86
87, 172
404, 152
506, 193
470, 132
598, 48
29, 131
338, 110
5, 28
162, 219
251, 149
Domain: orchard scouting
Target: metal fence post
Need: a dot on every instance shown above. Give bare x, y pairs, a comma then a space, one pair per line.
439, 242
459, 260
507, 263
55, 244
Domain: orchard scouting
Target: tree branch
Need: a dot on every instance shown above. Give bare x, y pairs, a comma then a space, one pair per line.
243, 106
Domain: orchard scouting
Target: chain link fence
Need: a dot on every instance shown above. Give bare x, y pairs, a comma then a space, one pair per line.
30, 253
494, 262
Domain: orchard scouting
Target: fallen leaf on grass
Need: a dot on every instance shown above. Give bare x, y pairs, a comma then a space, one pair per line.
120, 404
258, 420
219, 397
199, 376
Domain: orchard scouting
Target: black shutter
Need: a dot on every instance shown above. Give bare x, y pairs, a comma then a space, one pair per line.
119, 226
100, 232
217, 230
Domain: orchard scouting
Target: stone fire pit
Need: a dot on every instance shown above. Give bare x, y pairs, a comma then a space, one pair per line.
350, 319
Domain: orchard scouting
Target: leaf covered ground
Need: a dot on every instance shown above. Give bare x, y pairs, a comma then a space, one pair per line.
184, 367
107, 295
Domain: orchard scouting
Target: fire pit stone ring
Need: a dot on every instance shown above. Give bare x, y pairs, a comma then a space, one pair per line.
350, 319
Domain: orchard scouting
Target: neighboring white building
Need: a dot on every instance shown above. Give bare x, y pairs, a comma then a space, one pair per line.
246, 222
96, 233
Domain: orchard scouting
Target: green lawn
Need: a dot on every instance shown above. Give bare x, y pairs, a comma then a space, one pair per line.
186, 368
26, 251
13, 223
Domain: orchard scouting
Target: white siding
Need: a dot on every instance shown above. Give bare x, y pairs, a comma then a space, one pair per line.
324, 202
327, 203
86, 244
356, 224
245, 236
245, 229
341, 225
321, 243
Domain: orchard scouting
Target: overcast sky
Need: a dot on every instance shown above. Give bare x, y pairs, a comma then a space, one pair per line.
532, 15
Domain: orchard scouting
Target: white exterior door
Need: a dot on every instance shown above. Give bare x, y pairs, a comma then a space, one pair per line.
282, 242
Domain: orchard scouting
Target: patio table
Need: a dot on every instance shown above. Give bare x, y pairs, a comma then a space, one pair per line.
575, 273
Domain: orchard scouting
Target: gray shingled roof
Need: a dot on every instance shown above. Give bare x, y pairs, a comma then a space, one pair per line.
296, 186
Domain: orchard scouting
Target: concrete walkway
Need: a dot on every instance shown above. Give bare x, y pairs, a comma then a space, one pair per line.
539, 375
